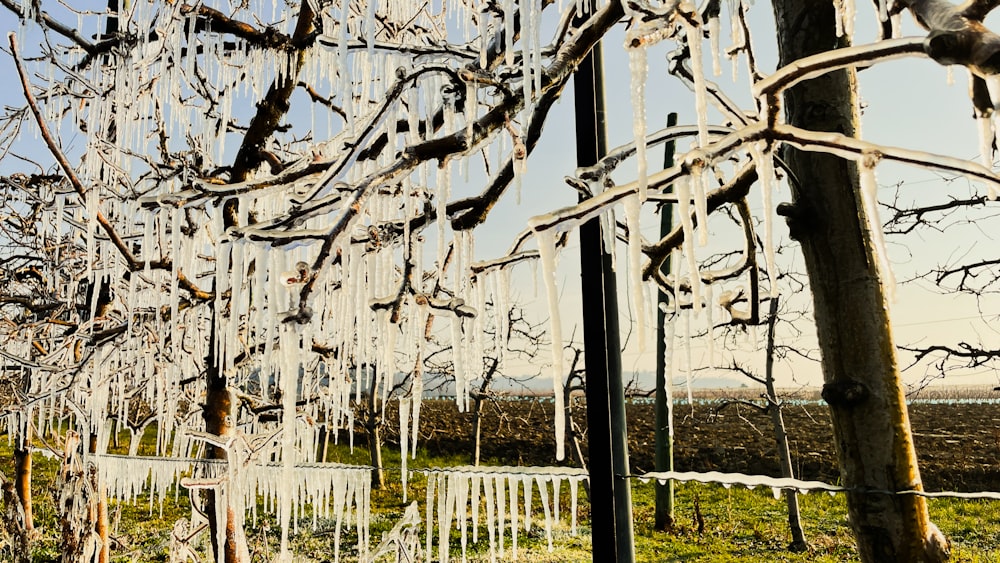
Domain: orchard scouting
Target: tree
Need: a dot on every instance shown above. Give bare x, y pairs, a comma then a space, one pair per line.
772, 407
222, 240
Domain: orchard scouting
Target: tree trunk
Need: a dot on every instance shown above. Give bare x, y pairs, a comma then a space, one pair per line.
218, 420
22, 478
862, 385
373, 414
374, 430
16, 522
781, 438
79, 505
100, 523
477, 428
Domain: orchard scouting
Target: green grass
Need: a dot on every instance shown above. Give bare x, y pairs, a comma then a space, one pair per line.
737, 525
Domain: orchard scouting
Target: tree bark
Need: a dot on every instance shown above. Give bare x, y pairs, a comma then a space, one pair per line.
18, 519
218, 420
22, 478
374, 414
375, 453
477, 427
100, 523
861, 376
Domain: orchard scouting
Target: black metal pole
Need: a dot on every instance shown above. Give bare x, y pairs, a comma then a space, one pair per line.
663, 515
610, 491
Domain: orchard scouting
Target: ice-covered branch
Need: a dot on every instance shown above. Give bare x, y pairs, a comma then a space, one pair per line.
856, 149
595, 175
272, 108
829, 61
957, 33
732, 192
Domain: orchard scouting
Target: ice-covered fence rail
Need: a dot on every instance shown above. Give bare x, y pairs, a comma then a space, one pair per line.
778, 484
795, 402
127, 477
507, 492
332, 489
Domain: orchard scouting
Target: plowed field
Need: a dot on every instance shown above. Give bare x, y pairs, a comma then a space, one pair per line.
958, 444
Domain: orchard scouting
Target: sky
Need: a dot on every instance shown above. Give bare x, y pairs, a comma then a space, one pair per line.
911, 103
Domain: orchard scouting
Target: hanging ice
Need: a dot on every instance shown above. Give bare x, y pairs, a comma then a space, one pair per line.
765, 171
869, 197
547, 254
453, 496
632, 208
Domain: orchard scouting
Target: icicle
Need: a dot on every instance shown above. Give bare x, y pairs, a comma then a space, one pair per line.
638, 68
444, 503
556, 486
512, 490
713, 38
844, 16
528, 490
735, 37
461, 383
869, 194
501, 498
288, 493
669, 357
481, 22
429, 517
710, 323
443, 182
526, 13
574, 486
632, 208
700, 88
687, 352
474, 502
491, 520
547, 254
508, 22
765, 171
502, 300
543, 492
404, 434
461, 511
683, 187
536, 46
418, 395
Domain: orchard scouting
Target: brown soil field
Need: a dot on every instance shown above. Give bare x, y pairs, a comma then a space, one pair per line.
958, 445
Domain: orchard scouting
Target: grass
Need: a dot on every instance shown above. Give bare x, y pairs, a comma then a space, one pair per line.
712, 523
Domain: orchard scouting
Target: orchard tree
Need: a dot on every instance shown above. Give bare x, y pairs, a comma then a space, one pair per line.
252, 200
